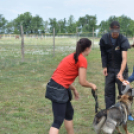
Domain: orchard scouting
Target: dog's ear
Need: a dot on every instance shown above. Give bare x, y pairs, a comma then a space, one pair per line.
130, 98
119, 97
132, 45
129, 92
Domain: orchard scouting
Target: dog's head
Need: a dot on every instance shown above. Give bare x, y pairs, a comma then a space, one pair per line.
129, 92
127, 89
127, 100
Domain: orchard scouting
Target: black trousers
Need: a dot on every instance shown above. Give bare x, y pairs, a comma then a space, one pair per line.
110, 90
62, 111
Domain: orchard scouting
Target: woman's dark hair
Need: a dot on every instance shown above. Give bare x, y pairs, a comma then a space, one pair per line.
81, 45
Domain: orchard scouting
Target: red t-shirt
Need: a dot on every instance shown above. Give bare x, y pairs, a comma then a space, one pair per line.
67, 70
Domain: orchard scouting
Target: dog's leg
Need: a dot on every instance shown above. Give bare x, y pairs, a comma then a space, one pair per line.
119, 132
125, 128
98, 126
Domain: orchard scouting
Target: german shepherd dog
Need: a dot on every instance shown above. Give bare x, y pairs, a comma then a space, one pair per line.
108, 120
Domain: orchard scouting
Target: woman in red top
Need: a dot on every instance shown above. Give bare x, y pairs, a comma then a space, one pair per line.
58, 89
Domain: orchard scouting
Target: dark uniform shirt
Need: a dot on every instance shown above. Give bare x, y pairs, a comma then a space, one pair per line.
111, 50
113, 40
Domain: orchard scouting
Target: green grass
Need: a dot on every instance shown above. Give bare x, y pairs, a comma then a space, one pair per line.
23, 107
68, 40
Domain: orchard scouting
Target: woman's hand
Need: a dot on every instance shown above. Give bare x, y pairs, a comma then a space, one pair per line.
76, 94
93, 86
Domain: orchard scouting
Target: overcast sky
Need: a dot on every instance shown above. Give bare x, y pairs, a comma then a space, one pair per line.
60, 9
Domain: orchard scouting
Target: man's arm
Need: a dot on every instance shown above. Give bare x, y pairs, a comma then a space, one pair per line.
123, 64
103, 57
103, 54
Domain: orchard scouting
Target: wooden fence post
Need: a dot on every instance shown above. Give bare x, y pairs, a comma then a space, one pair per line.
54, 42
22, 43
76, 34
93, 37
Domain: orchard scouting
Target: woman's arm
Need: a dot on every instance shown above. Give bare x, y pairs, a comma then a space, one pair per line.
82, 79
131, 78
76, 94
72, 87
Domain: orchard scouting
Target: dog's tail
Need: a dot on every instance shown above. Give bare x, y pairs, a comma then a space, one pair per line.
99, 120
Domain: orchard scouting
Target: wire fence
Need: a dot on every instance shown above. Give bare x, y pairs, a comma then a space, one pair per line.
23, 108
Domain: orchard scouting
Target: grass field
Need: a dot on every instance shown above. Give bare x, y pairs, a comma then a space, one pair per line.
23, 107
65, 41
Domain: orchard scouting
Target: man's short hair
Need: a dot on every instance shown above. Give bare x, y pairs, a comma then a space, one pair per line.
114, 23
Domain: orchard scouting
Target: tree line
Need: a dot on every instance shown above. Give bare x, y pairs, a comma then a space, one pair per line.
36, 25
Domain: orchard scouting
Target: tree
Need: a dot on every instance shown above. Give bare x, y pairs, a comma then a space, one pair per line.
25, 20
87, 23
82, 21
103, 27
46, 29
126, 25
62, 26
37, 25
3, 23
53, 24
30, 24
10, 27
71, 28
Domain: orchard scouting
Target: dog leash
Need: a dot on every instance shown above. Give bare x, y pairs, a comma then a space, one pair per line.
94, 93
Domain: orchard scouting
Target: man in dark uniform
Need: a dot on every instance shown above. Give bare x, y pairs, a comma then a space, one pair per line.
113, 48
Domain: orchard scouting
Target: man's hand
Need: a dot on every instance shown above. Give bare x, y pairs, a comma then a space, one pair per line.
76, 94
105, 71
120, 76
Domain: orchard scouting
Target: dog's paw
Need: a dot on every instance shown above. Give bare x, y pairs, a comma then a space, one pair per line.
130, 133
